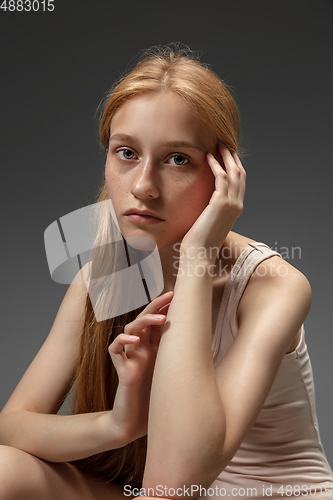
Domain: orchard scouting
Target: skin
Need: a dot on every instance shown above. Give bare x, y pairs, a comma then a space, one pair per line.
199, 203
151, 179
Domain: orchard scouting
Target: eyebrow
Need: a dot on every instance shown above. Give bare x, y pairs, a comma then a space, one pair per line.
170, 144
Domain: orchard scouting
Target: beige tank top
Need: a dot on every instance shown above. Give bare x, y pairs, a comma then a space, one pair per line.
282, 455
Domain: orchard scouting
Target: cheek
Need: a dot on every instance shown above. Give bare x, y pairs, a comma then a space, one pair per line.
200, 190
193, 199
113, 184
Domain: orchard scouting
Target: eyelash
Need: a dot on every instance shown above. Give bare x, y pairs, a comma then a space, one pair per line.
173, 156
122, 151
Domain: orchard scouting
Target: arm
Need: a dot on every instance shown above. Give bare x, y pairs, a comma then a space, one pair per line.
199, 417
270, 314
28, 420
59, 438
187, 426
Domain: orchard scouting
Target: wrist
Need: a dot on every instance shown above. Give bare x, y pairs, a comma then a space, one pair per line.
128, 418
196, 262
115, 433
198, 254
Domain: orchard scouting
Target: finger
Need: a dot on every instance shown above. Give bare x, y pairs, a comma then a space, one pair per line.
164, 310
120, 342
221, 177
241, 193
237, 160
233, 171
155, 332
154, 306
137, 326
144, 337
238, 163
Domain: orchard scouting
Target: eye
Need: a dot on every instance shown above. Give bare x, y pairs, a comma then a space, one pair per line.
125, 154
179, 160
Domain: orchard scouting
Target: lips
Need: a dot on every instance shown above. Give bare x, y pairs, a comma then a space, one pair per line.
143, 213
142, 216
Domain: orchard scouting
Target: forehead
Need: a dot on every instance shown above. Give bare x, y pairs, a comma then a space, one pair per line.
163, 116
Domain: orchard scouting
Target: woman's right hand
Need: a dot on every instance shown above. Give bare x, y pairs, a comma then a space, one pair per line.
133, 354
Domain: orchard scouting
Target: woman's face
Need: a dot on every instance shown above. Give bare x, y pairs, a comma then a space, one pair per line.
156, 162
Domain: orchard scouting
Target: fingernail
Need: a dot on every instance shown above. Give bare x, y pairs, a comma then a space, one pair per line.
160, 316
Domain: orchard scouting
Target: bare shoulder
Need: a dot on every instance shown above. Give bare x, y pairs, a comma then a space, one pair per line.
277, 272
275, 287
275, 280
272, 272
277, 295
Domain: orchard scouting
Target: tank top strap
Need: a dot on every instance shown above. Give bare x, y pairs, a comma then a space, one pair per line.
253, 255
241, 272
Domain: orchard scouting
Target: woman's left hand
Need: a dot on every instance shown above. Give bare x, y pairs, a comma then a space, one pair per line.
133, 354
225, 206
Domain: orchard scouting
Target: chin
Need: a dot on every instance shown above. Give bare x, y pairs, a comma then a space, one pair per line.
141, 243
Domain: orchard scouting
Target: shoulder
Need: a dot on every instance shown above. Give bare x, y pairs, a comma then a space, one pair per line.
276, 273
272, 279
72, 308
83, 275
277, 284
272, 271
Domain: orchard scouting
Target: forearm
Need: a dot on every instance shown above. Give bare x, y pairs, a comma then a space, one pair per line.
59, 438
186, 417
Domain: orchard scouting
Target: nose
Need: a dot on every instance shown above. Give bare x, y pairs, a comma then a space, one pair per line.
144, 184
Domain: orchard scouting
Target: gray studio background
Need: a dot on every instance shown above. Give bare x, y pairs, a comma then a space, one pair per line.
56, 67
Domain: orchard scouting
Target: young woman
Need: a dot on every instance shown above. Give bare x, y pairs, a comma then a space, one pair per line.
207, 390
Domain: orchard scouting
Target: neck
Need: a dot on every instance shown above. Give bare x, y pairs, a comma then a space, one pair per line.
169, 256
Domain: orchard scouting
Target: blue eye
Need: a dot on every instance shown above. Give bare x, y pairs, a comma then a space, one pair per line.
179, 160
127, 154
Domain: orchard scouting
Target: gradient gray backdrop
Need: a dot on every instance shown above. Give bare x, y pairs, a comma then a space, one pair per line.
56, 67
